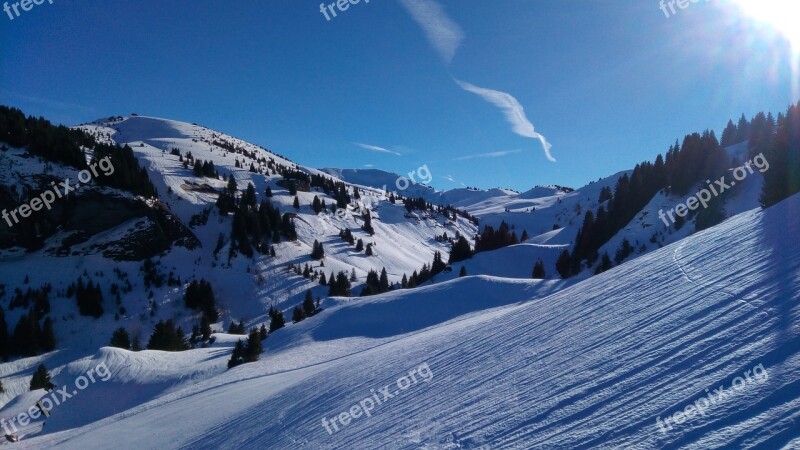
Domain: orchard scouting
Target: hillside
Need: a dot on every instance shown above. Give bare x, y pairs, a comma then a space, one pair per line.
140, 252
534, 370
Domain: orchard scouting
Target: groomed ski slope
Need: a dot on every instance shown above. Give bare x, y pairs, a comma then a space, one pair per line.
591, 366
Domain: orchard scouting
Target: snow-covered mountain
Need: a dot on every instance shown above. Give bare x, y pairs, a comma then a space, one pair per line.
500, 363
513, 363
390, 182
117, 232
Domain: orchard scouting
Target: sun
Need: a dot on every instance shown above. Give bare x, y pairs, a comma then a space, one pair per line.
781, 15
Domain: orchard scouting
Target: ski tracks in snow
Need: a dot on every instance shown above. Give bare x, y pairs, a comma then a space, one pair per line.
677, 256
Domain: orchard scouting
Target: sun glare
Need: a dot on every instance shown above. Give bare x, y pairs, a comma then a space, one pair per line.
781, 15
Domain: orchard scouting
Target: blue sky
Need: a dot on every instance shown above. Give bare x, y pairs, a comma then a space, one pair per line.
608, 83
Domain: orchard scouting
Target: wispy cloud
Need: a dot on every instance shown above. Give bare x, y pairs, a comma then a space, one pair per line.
488, 155
442, 32
368, 165
375, 148
513, 110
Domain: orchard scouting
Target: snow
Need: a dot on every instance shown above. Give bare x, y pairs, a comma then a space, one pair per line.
590, 366
516, 363
391, 182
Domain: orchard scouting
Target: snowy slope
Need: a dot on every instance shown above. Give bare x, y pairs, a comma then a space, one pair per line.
401, 245
591, 366
244, 288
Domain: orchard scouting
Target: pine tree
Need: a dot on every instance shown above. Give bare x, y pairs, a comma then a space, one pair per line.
462, 272
460, 251
339, 286
538, 271
317, 252
605, 195
605, 264
246, 352
729, 135
268, 192
563, 265
167, 338
232, 187
276, 319
322, 280
316, 205
41, 379
308, 304
198, 168
120, 339
235, 328
200, 296
296, 203
298, 315
205, 327
360, 246
89, 299
383, 283
524, 236
371, 286
438, 265
262, 332
253, 348
249, 198
368, 251
237, 357
625, 249
368, 223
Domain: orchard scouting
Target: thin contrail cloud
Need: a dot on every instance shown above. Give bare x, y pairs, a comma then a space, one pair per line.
375, 148
488, 155
446, 36
513, 110
442, 32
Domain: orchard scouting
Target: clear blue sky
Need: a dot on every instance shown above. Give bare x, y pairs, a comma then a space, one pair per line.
609, 83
